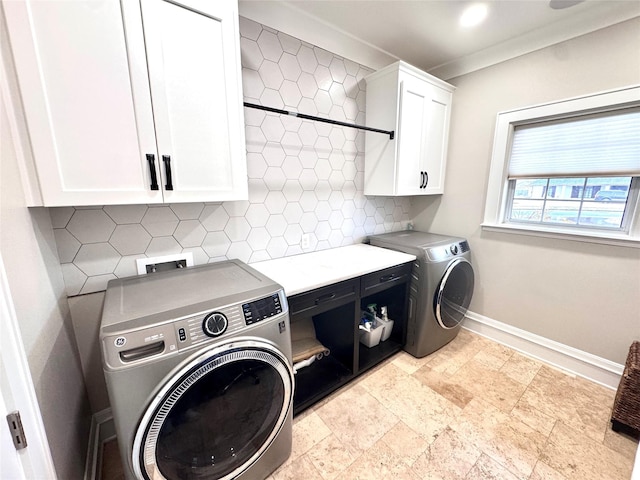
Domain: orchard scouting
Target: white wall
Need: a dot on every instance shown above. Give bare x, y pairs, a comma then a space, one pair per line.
35, 280
580, 294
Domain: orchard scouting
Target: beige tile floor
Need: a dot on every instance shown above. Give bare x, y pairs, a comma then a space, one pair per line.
473, 410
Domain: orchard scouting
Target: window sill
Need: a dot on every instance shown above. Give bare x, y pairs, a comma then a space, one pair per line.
589, 236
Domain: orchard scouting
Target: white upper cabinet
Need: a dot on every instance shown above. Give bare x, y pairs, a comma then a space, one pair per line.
132, 102
417, 106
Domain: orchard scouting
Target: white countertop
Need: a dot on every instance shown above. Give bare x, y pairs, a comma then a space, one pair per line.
304, 272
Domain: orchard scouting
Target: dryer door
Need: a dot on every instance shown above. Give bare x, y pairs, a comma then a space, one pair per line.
216, 414
453, 295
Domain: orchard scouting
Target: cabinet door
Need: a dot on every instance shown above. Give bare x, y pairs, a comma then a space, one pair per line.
422, 137
193, 57
89, 139
437, 139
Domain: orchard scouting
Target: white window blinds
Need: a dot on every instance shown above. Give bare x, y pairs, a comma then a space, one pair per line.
600, 144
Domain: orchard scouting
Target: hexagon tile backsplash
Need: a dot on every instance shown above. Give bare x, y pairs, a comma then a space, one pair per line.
305, 177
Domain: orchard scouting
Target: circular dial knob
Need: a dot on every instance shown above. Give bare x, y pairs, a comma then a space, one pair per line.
454, 249
214, 324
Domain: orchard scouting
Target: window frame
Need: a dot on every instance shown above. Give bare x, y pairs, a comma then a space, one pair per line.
498, 185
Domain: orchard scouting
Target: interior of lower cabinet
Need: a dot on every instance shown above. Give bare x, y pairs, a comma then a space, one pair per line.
331, 367
394, 299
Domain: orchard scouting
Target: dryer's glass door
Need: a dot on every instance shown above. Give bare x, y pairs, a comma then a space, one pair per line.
217, 415
453, 295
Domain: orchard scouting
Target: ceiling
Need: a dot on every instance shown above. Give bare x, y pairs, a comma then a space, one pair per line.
427, 33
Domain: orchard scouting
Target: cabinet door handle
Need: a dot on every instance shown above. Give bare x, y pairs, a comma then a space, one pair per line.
152, 169
426, 179
325, 298
421, 179
387, 278
167, 168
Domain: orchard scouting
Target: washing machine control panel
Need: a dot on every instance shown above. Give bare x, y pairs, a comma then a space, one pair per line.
226, 320
261, 309
207, 326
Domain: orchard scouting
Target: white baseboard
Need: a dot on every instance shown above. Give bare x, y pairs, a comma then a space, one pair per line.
564, 357
102, 429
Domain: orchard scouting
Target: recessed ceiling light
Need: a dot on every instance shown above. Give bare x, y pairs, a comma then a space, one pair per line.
560, 4
473, 15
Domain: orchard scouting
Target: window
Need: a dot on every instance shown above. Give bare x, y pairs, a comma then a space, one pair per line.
594, 202
569, 168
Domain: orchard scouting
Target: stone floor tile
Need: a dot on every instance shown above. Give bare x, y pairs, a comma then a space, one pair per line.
449, 457
576, 456
450, 358
494, 355
377, 463
542, 471
501, 436
487, 468
301, 468
493, 386
409, 363
111, 466
356, 418
442, 384
583, 405
307, 432
620, 443
425, 411
405, 442
533, 417
520, 368
331, 457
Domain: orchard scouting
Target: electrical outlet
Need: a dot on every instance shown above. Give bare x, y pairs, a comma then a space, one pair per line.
305, 242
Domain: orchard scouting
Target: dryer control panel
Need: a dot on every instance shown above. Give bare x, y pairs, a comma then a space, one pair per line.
440, 253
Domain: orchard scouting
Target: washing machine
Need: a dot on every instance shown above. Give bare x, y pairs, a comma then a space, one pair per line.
198, 368
441, 286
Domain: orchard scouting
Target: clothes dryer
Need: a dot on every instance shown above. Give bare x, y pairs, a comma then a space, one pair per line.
441, 286
198, 369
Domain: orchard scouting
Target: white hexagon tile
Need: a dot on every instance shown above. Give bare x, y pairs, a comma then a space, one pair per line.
305, 178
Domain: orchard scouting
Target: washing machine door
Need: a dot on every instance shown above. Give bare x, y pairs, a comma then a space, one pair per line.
216, 415
453, 295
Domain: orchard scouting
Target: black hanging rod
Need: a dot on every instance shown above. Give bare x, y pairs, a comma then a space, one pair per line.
391, 133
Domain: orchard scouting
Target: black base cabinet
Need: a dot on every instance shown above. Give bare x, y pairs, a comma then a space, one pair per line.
335, 311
